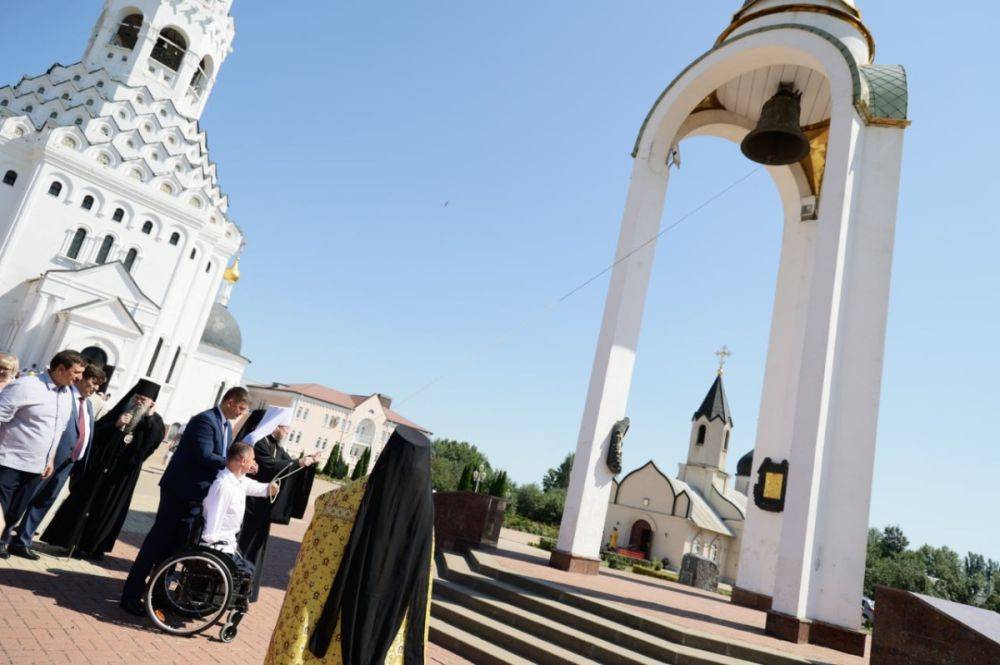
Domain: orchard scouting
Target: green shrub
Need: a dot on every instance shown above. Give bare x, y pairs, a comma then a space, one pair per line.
522, 523
547, 544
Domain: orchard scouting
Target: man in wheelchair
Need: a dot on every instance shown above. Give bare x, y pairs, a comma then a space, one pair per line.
196, 588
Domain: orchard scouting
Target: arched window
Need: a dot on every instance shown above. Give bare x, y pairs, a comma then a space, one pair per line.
77, 244
128, 32
88, 202
208, 268
202, 75
365, 433
194, 253
725, 443
175, 238
170, 48
55, 189
105, 250
118, 216
130, 260
702, 430
9, 178
147, 228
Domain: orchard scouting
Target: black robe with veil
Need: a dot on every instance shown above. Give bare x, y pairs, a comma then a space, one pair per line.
384, 575
89, 521
261, 513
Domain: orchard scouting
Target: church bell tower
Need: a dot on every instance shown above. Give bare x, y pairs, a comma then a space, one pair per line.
710, 429
173, 47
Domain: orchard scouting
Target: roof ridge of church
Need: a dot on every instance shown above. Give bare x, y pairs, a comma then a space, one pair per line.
715, 405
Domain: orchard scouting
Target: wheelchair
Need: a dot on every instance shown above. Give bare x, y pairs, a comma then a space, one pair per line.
195, 589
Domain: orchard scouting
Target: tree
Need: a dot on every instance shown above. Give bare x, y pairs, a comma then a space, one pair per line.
448, 461
558, 478
498, 487
465, 483
335, 467
361, 468
893, 541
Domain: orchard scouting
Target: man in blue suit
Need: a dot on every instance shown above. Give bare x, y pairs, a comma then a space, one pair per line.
71, 453
200, 455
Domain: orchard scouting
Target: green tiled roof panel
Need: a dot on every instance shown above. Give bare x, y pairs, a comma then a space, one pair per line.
887, 92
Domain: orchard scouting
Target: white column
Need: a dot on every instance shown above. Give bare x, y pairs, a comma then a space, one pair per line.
819, 359
611, 377
845, 489
762, 530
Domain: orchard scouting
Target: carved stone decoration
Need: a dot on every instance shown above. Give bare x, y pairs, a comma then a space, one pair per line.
618, 433
772, 482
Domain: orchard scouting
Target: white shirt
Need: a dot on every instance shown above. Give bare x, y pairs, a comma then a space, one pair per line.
81, 403
223, 509
34, 412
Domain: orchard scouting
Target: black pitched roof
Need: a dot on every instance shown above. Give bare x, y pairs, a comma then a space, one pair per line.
715, 404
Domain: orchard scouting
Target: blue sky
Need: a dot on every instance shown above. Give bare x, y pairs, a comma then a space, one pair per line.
420, 181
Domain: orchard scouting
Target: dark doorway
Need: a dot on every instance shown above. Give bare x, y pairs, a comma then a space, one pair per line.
98, 357
641, 539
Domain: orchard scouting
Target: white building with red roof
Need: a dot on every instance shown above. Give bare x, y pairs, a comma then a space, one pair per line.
324, 417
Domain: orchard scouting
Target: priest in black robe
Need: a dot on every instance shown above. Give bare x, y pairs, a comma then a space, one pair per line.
265, 430
89, 521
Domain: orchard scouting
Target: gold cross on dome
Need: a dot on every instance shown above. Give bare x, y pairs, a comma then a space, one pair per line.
723, 354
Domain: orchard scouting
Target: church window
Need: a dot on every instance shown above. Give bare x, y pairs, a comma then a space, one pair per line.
65, 95
170, 48
175, 238
130, 258
137, 174
76, 78
365, 432
41, 90
4, 102
118, 216
9, 178
166, 188
156, 356
53, 115
106, 245
199, 82
77, 244
90, 102
208, 268
100, 84
55, 189
128, 32
725, 443
69, 142
173, 364
194, 253
196, 202
702, 430
147, 228
78, 122
29, 108
88, 202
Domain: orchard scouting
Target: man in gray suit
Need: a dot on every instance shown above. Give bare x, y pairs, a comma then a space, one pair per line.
72, 453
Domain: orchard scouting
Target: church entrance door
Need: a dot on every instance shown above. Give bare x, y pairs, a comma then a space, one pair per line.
98, 357
641, 539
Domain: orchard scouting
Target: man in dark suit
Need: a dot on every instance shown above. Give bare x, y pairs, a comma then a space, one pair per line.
72, 453
200, 455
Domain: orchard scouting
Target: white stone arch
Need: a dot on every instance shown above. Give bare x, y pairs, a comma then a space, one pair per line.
70, 234
66, 193
828, 324
105, 344
155, 220
99, 201
127, 207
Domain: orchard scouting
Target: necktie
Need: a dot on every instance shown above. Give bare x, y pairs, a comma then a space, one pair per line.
81, 428
229, 434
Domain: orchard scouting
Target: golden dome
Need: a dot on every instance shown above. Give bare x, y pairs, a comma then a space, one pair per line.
232, 274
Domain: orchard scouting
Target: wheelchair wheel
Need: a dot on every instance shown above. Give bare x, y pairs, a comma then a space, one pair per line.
228, 633
188, 593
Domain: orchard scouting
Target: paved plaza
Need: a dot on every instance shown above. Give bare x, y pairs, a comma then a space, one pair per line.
60, 610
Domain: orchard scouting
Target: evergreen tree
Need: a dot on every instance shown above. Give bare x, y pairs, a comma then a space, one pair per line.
336, 467
361, 468
465, 483
498, 487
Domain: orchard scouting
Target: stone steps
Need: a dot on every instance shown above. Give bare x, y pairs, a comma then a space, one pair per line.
540, 621
471, 647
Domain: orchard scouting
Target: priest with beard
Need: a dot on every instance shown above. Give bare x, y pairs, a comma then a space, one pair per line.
88, 522
265, 431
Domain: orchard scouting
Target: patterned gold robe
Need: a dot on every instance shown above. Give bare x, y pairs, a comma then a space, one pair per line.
315, 568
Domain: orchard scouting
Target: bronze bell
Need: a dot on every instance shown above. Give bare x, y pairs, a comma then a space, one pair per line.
778, 139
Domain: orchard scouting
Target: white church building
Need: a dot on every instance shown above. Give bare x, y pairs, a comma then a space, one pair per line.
700, 511
115, 238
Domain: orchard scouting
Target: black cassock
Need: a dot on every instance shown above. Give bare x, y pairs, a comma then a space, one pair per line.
90, 519
290, 503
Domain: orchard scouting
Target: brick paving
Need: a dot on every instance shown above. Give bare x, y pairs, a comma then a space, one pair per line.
60, 610
667, 601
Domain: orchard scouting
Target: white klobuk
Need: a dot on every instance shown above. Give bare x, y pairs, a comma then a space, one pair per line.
115, 236
824, 363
